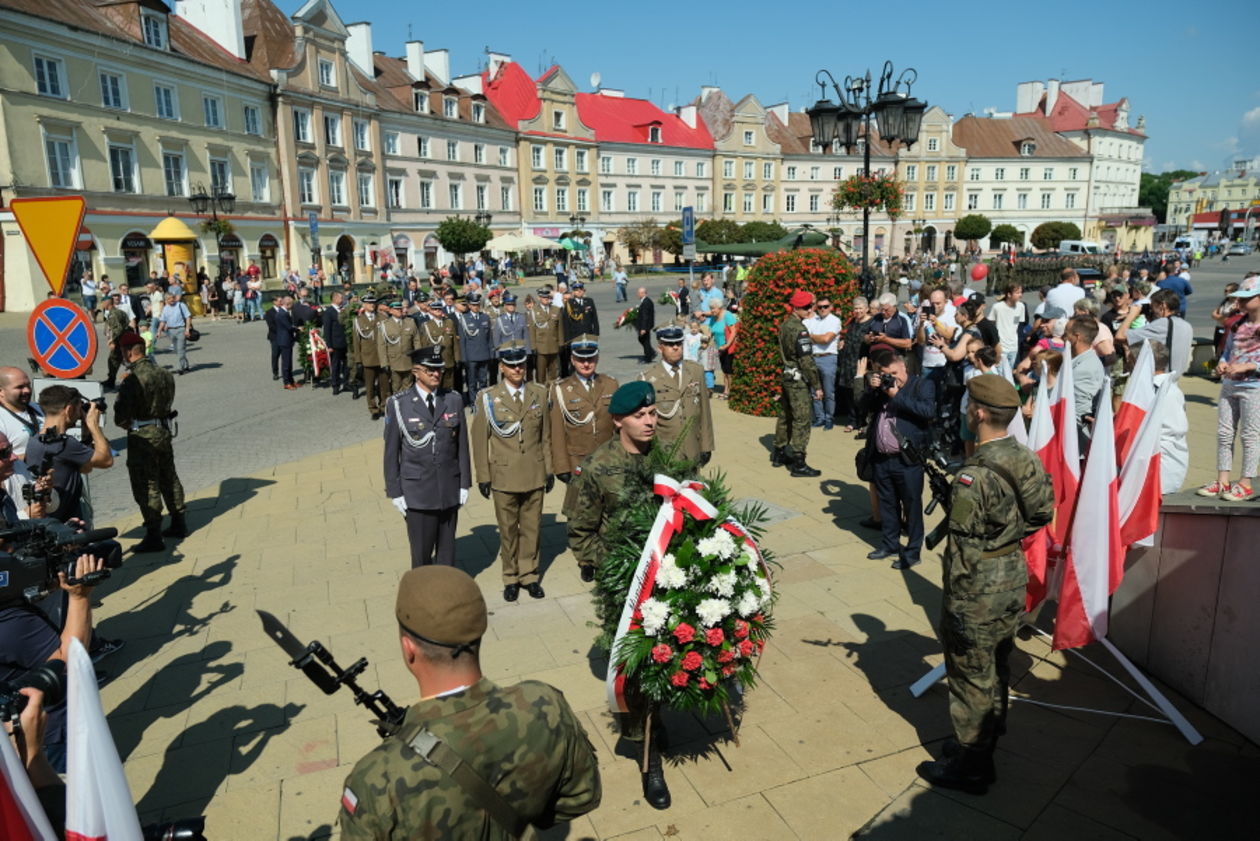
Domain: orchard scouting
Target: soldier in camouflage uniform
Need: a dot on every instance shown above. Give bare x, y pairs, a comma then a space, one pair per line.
496, 759
116, 323
801, 386
143, 408
1000, 496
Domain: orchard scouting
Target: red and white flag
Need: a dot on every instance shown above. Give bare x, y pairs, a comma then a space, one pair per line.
1095, 554
1040, 441
1065, 454
98, 800
22, 817
1139, 395
1140, 484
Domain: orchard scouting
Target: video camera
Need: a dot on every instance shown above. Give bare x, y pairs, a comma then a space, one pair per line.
35, 551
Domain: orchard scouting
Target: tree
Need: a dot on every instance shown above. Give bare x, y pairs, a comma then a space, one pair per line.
1003, 234
761, 232
1153, 190
642, 237
972, 227
461, 236
1050, 234
718, 232
671, 237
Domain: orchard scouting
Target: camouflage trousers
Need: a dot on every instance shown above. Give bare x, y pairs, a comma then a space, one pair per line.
151, 467
796, 408
978, 635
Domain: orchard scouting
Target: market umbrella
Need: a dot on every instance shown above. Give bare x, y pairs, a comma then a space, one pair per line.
520, 242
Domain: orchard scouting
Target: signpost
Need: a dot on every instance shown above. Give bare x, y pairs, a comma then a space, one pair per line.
312, 224
689, 242
62, 338
51, 228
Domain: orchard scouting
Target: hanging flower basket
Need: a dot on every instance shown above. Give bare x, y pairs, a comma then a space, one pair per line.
869, 192
219, 227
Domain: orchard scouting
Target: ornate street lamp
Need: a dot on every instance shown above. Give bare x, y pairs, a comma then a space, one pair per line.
202, 201
483, 218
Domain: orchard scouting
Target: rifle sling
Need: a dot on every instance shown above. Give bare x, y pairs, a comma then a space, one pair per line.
443, 757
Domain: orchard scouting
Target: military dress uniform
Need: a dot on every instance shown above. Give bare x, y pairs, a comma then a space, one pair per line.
799, 382
367, 353
544, 338
396, 338
476, 349
510, 326
578, 317
439, 332
999, 496
512, 457
580, 420
682, 402
143, 408
426, 463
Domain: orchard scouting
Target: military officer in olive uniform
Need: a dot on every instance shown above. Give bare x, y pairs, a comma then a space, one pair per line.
510, 433
438, 331
476, 346
578, 317
116, 322
579, 417
544, 337
682, 401
1000, 496
619, 468
427, 474
396, 338
497, 759
143, 408
363, 334
801, 385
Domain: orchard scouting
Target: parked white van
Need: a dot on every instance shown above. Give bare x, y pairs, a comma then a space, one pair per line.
1080, 246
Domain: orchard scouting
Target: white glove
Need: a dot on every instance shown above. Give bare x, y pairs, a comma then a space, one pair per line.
400, 503
463, 496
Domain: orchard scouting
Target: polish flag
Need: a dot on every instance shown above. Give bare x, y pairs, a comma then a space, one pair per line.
1095, 555
1040, 441
1140, 488
22, 817
98, 801
1065, 458
1139, 395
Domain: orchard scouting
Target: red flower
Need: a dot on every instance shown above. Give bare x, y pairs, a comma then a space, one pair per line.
727, 671
684, 633
704, 684
692, 661
745, 647
679, 679
662, 653
726, 656
760, 619
741, 629
761, 644
714, 636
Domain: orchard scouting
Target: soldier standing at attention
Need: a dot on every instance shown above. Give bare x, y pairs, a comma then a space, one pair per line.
438, 331
143, 408
578, 318
579, 419
512, 455
116, 323
617, 468
1000, 496
801, 387
367, 353
682, 401
475, 346
544, 337
509, 325
396, 338
496, 760
426, 460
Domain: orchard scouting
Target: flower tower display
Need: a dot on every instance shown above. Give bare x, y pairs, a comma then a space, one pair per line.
755, 383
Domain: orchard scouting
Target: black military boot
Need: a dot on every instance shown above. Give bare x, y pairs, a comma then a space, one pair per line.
177, 528
152, 542
966, 770
777, 457
800, 468
655, 790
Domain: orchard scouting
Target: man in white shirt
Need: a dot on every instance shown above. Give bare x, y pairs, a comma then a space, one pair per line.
1164, 326
824, 332
19, 418
1009, 314
939, 321
1067, 293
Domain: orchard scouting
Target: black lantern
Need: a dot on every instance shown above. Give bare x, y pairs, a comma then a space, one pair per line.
824, 121
483, 218
226, 201
200, 200
914, 110
890, 113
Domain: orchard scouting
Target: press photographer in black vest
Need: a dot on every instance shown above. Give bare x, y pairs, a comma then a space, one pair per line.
68, 458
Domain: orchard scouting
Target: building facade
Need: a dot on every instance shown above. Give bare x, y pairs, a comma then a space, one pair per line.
746, 166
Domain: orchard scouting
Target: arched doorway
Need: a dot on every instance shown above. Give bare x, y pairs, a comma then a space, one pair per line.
402, 250
430, 253
949, 240
135, 248
345, 258
929, 239
268, 246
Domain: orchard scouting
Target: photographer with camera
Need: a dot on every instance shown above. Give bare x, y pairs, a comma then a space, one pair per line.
901, 408
66, 457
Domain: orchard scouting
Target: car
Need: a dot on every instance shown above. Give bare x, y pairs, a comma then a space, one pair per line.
1239, 249
1089, 277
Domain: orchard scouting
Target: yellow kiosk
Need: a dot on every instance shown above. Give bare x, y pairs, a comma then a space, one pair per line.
178, 243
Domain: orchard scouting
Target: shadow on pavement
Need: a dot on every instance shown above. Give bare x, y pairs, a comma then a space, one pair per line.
318, 834
232, 493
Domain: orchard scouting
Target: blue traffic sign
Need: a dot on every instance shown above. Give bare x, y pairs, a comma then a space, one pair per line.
62, 338
688, 225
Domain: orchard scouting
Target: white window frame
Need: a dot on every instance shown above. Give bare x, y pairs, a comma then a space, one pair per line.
680, 169
426, 194
632, 201
73, 171
749, 138
450, 107
702, 169
728, 202
951, 172
973, 201
536, 159
999, 173
767, 203
558, 120
117, 99
212, 106
748, 203
632, 166
366, 182
505, 198
912, 172
171, 98
393, 142
452, 150
181, 185
948, 202
654, 166
1069, 200
422, 147
999, 199
656, 201
702, 202
749, 169
767, 171
607, 201
252, 116
654, 134
814, 202
933, 144
1021, 201
337, 188
479, 153
130, 148
930, 172
154, 30
394, 192
1047, 200
728, 169
481, 197
505, 156
562, 200
51, 80
929, 202
973, 173
225, 185
308, 186
302, 125
583, 200
560, 159
789, 203
789, 173
259, 181
362, 135
478, 112
814, 173
909, 202
420, 101
327, 73
1047, 173
605, 164
332, 131
540, 199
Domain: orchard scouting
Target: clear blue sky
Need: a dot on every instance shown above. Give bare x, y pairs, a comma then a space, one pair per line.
1186, 66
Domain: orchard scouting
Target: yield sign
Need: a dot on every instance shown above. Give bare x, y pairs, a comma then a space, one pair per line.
51, 228
62, 338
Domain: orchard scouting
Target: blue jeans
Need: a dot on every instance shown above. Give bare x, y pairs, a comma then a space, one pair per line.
253, 308
621, 292
825, 409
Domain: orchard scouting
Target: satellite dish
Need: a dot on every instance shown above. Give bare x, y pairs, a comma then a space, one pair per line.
595, 78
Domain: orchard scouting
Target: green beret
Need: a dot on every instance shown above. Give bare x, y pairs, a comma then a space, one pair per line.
441, 605
632, 397
993, 390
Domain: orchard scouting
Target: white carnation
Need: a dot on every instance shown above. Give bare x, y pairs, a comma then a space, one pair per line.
748, 604
669, 575
713, 611
708, 546
655, 613
750, 556
722, 584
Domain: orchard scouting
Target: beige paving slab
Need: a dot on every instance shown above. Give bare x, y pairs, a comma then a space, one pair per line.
917, 811
729, 772
831, 805
750, 817
308, 803
252, 812
823, 741
623, 809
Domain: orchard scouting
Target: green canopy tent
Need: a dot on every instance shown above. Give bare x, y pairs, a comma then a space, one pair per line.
569, 244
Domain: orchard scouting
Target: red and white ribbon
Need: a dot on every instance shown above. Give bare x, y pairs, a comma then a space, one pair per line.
677, 499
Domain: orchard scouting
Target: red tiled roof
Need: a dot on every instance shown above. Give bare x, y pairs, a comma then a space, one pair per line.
513, 93
985, 137
1070, 115
618, 119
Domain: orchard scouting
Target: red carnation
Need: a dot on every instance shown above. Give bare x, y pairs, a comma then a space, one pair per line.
727, 671
679, 679
704, 684
726, 656
692, 661
761, 644
741, 629
662, 653
684, 633
714, 636
745, 647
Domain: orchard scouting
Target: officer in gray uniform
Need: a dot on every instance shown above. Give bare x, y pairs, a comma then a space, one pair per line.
510, 325
476, 346
427, 469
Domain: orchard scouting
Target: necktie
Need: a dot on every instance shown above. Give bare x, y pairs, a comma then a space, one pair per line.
516, 401
674, 371
432, 412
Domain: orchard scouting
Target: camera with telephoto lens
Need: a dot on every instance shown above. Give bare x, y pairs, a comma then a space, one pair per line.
99, 402
48, 677
33, 552
30, 493
887, 381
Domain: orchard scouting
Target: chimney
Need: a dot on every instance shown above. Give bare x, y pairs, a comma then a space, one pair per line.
438, 63
687, 113
359, 46
494, 61
1052, 95
780, 110
612, 92
219, 19
415, 60
1027, 95
705, 90
470, 83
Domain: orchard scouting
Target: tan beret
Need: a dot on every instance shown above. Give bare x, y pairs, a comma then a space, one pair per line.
993, 390
442, 605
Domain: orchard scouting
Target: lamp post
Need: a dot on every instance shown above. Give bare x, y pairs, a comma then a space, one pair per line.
220, 199
483, 218
920, 226
899, 117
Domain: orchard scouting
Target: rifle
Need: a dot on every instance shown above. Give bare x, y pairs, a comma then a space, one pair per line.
937, 469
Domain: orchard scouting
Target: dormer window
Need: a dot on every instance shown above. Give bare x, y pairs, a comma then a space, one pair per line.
748, 138
420, 100
326, 69
557, 120
1027, 148
478, 112
450, 107
654, 134
153, 25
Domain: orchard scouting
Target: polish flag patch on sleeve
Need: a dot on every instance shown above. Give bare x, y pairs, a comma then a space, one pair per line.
349, 801
965, 479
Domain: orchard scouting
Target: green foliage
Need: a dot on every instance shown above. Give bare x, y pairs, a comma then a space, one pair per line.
719, 231
974, 226
642, 237
762, 232
461, 236
758, 364
1003, 234
1050, 234
671, 237
1153, 190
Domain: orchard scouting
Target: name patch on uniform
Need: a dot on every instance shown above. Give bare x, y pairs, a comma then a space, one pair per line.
349, 801
965, 479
